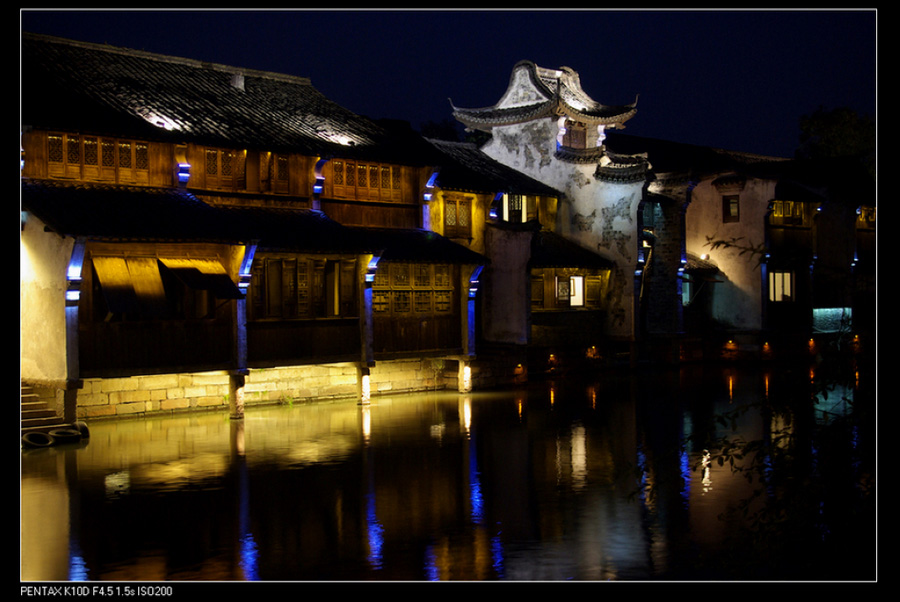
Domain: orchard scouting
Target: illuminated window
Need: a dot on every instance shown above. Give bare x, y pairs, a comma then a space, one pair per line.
731, 208
518, 208
366, 181
225, 169
781, 286
561, 288
576, 291
457, 217
275, 170
570, 291
91, 158
404, 289
788, 213
865, 217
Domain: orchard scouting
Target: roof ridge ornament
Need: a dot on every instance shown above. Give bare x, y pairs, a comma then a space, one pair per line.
536, 92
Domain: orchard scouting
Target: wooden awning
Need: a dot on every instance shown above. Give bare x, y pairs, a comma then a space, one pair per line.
135, 284
203, 274
131, 284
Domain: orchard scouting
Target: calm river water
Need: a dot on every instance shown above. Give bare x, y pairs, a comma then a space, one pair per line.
593, 480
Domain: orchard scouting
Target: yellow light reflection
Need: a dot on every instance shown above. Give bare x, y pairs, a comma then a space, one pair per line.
366, 422
706, 473
465, 414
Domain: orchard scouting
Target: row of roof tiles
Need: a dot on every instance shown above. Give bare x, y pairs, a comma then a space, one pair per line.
149, 214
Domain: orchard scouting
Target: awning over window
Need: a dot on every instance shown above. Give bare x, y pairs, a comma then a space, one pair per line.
203, 274
135, 284
131, 285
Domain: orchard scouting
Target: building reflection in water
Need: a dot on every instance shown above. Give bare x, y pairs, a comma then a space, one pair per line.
538, 483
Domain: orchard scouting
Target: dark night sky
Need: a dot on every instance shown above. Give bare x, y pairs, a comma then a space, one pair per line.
739, 80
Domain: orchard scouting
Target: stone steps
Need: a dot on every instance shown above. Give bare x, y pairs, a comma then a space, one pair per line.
36, 412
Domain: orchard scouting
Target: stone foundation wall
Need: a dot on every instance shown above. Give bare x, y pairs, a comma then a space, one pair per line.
112, 397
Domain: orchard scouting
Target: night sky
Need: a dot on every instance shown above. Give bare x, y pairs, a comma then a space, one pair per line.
738, 80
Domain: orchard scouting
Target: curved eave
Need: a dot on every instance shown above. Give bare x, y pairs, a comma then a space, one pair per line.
599, 115
488, 117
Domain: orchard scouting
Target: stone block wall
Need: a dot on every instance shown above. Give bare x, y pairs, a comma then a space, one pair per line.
167, 393
112, 397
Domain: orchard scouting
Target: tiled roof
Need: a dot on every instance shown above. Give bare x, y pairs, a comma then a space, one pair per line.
416, 245
100, 89
148, 214
297, 230
552, 93
699, 265
667, 156
124, 213
464, 167
549, 249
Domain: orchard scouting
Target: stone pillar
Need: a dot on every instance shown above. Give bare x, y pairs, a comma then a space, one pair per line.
364, 385
464, 377
236, 395
237, 377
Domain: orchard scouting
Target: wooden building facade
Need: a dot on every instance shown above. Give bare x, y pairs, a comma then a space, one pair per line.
218, 243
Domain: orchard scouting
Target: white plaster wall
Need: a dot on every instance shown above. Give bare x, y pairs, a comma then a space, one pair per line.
600, 216
737, 301
44, 258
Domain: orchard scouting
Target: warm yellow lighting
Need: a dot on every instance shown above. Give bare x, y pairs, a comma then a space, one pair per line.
466, 413
366, 422
158, 120
26, 269
467, 378
366, 389
706, 472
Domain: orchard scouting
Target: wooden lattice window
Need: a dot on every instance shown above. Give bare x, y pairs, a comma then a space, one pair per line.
458, 217
225, 169
290, 288
365, 181
788, 213
404, 289
92, 158
865, 217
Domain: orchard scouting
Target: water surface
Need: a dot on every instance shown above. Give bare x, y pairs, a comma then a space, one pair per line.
598, 479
